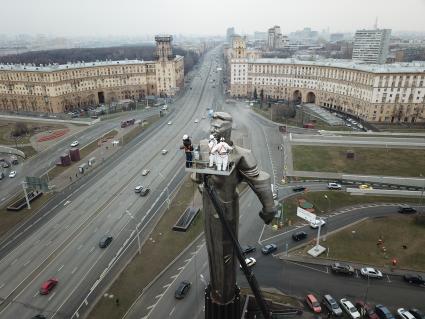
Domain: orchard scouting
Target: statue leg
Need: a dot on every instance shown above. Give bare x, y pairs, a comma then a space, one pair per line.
219, 162
211, 160
225, 160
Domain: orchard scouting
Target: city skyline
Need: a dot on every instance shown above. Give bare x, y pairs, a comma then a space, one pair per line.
132, 18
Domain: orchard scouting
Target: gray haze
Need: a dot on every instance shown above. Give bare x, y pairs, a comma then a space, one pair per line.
138, 17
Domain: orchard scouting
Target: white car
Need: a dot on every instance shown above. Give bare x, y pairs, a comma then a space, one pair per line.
163, 152
145, 172
196, 120
318, 222
334, 186
371, 272
138, 188
349, 308
249, 262
12, 174
169, 123
404, 314
74, 144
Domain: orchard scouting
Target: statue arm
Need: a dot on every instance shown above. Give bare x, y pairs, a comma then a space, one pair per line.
259, 182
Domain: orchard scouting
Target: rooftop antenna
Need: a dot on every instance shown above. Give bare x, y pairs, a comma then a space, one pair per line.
376, 23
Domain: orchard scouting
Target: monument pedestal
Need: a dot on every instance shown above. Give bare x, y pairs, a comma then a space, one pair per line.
213, 310
316, 250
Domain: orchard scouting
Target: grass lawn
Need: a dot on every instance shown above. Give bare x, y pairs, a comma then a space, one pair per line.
141, 270
10, 219
139, 129
296, 121
395, 231
28, 151
392, 162
6, 128
336, 200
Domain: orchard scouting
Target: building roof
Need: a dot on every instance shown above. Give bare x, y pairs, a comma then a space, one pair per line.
409, 67
61, 67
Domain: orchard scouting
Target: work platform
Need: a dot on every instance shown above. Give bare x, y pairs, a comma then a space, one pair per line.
201, 167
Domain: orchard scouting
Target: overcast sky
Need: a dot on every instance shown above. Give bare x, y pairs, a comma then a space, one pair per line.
201, 17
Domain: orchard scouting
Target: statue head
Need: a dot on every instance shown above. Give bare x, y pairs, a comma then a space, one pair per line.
221, 125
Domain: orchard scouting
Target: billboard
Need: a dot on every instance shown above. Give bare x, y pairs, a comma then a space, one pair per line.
306, 215
37, 183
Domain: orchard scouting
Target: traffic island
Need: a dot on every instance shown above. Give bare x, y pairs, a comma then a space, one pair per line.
376, 242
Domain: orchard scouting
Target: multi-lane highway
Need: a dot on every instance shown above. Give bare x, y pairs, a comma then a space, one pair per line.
66, 245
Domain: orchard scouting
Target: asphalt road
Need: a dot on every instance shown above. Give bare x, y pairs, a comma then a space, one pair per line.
66, 246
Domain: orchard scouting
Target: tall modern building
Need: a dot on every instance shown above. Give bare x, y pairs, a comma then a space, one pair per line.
275, 39
229, 34
371, 46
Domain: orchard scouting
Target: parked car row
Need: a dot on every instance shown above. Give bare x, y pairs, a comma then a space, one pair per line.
357, 310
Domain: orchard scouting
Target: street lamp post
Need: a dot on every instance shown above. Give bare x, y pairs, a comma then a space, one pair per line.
137, 229
329, 209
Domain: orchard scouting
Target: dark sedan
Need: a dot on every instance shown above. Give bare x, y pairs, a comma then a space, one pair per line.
182, 290
268, 249
247, 249
414, 279
299, 189
404, 209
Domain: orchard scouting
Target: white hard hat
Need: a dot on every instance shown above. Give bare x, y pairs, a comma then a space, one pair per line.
185, 137
222, 139
211, 137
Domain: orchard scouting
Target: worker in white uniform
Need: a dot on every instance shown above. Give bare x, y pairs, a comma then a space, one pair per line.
222, 150
211, 144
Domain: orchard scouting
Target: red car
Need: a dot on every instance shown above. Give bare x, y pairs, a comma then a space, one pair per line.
48, 285
313, 303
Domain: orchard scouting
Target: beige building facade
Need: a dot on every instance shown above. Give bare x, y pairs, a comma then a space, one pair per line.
376, 93
61, 88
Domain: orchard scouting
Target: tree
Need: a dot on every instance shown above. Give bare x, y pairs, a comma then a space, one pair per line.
261, 95
255, 94
20, 129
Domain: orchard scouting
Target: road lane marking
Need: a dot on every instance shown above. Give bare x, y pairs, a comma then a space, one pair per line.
91, 250
60, 268
187, 260
74, 270
50, 298
172, 311
79, 247
151, 306
36, 294
66, 203
174, 277
305, 266
388, 277
165, 286
14, 262
261, 235
158, 296
2, 285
